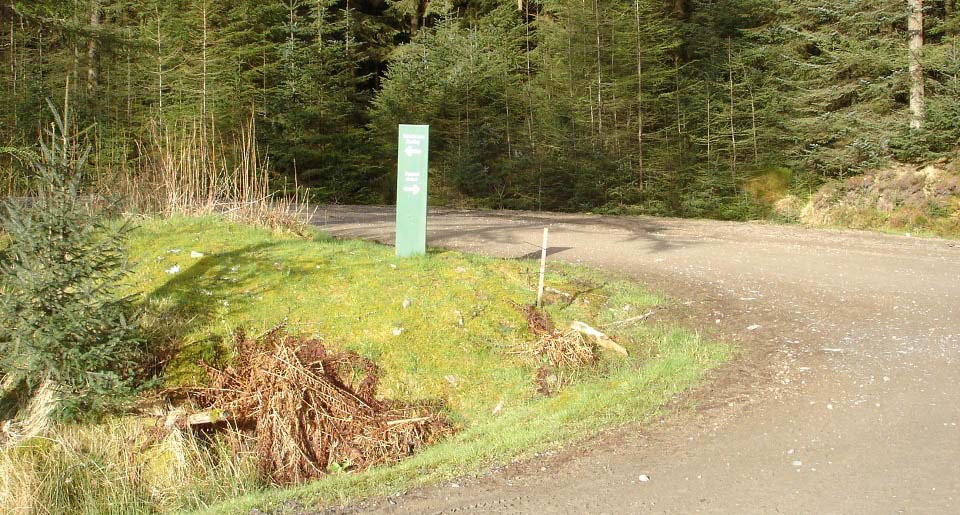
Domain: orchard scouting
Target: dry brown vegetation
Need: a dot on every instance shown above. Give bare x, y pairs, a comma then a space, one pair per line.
191, 170
314, 411
184, 169
902, 197
560, 353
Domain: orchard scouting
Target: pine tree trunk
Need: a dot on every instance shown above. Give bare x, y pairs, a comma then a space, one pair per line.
159, 67
915, 31
320, 62
709, 132
733, 127
13, 69
640, 177
40, 54
596, 12
753, 125
129, 85
613, 97
203, 57
676, 70
93, 48
506, 105
529, 86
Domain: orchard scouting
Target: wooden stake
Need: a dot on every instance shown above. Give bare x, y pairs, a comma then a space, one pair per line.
543, 267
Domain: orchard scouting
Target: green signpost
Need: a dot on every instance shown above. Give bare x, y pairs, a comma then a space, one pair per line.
412, 159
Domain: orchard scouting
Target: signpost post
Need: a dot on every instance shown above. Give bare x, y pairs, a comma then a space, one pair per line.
412, 159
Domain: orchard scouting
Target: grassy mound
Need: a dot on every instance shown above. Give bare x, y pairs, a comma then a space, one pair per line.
445, 327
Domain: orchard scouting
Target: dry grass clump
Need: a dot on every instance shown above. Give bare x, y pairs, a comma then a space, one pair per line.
315, 411
119, 466
560, 353
189, 169
193, 172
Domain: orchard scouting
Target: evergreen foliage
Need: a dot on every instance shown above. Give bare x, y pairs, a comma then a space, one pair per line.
622, 105
61, 317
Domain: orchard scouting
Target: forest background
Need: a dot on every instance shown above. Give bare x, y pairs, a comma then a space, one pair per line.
670, 107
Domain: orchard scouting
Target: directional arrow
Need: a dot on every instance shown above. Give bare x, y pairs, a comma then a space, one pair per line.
412, 189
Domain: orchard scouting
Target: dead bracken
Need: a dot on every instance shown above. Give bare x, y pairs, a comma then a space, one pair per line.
559, 352
313, 410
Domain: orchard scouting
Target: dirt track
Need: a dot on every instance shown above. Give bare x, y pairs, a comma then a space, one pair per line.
846, 397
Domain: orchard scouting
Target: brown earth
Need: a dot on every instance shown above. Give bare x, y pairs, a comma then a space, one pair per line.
844, 398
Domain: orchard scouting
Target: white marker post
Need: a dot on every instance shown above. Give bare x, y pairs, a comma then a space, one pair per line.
543, 267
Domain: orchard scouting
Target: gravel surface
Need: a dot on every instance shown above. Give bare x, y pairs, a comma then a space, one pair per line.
845, 397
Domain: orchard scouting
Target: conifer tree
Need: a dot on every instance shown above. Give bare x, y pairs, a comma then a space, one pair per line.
63, 322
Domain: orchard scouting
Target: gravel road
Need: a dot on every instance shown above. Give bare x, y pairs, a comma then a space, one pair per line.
845, 397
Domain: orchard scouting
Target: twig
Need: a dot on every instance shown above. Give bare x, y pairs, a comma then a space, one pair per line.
407, 421
644, 316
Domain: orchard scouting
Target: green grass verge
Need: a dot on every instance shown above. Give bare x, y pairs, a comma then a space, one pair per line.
352, 293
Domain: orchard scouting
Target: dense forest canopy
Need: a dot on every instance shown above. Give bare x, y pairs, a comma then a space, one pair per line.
658, 106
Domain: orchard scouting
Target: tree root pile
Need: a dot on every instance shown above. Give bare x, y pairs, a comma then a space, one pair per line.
559, 352
315, 411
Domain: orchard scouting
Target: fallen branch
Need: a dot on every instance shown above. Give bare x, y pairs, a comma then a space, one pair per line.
602, 340
208, 417
639, 318
408, 421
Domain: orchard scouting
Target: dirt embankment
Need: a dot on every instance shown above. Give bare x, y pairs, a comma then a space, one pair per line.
908, 198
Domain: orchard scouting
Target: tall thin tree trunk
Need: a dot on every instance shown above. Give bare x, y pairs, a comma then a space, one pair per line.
529, 78
14, 72
40, 52
915, 31
506, 105
348, 36
93, 49
709, 130
955, 56
159, 67
320, 62
676, 69
75, 67
593, 118
570, 60
640, 177
596, 12
204, 7
129, 85
613, 96
753, 123
263, 77
733, 126
420, 10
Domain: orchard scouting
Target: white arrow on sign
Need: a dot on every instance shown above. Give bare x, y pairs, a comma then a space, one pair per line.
413, 189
